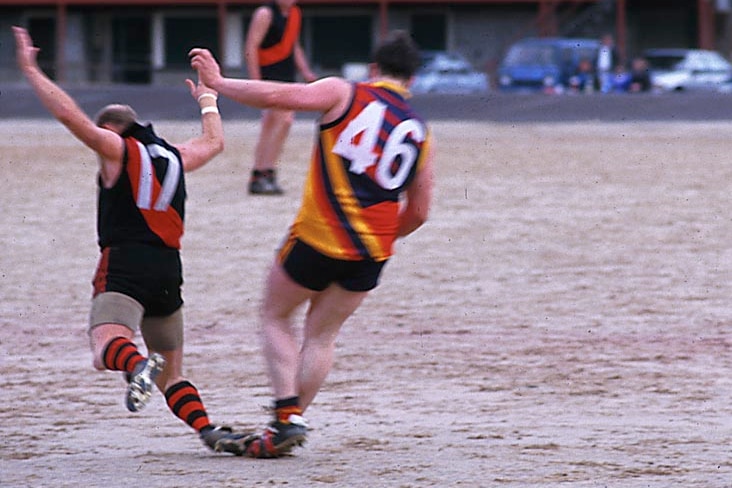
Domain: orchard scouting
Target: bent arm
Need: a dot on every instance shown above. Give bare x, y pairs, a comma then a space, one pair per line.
328, 95
258, 27
419, 197
319, 96
199, 150
301, 61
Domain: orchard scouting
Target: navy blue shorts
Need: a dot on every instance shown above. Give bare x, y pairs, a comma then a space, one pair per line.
316, 271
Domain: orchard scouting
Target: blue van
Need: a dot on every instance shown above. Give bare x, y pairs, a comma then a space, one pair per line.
544, 64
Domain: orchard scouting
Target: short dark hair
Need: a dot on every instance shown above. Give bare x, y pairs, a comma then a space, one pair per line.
119, 115
397, 55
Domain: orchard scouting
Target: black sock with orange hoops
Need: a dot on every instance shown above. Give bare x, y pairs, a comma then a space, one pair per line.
185, 403
286, 407
121, 354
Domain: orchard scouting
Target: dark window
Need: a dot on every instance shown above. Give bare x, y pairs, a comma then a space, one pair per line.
183, 34
131, 50
43, 32
339, 40
666, 63
429, 31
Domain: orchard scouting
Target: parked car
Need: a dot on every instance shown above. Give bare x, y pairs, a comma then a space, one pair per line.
445, 72
687, 69
544, 64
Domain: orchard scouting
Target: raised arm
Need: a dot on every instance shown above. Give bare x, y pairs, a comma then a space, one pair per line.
201, 149
106, 143
330, 96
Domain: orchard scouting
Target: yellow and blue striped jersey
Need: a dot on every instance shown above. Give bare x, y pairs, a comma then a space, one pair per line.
360, 166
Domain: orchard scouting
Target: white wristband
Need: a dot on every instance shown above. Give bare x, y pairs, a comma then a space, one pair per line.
207, 95
213, 109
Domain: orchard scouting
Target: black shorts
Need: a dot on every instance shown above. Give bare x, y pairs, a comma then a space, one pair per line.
316, 271
151, 275
278, 72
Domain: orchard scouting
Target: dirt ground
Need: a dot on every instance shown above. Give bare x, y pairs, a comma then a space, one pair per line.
562, 319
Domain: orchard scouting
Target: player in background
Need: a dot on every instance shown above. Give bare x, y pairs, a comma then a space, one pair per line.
140, 215
370, 183
273, 52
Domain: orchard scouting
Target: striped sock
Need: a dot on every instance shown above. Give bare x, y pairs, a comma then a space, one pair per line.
184, 401
286, 407
121, 354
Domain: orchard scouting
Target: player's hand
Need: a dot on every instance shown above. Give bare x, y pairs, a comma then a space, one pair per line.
200, 88
26, 54
205, 64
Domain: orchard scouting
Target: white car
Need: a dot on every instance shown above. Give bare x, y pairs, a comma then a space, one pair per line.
444, 72
687, 69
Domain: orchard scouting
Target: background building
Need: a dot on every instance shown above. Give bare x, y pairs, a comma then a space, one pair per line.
141, 41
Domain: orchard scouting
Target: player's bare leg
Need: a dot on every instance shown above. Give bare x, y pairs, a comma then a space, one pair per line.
297, 377
275, 127
100, 336
281, 350
328, 311
113, 349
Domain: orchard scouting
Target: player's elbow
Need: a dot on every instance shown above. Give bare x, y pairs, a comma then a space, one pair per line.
213, 142
412, 219
213, 150
420, 217
281, 97
217, 146
419, 208
270, 100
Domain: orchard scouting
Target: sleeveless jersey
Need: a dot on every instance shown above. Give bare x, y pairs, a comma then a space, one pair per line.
276, 53
361, 164
147, 203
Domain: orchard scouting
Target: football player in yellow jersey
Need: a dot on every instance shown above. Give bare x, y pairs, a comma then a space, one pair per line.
370, 182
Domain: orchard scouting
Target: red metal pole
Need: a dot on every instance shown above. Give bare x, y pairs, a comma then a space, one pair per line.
546, 20
542, 18
383, 18
706, 24
621, 30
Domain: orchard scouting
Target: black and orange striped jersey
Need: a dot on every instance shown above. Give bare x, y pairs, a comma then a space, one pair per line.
276, 53
361, 164
147, 203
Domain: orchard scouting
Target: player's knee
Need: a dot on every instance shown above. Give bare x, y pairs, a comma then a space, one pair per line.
283, 117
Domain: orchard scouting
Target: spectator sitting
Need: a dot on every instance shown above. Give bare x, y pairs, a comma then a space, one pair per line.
640, 79
621, 79
583, 81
